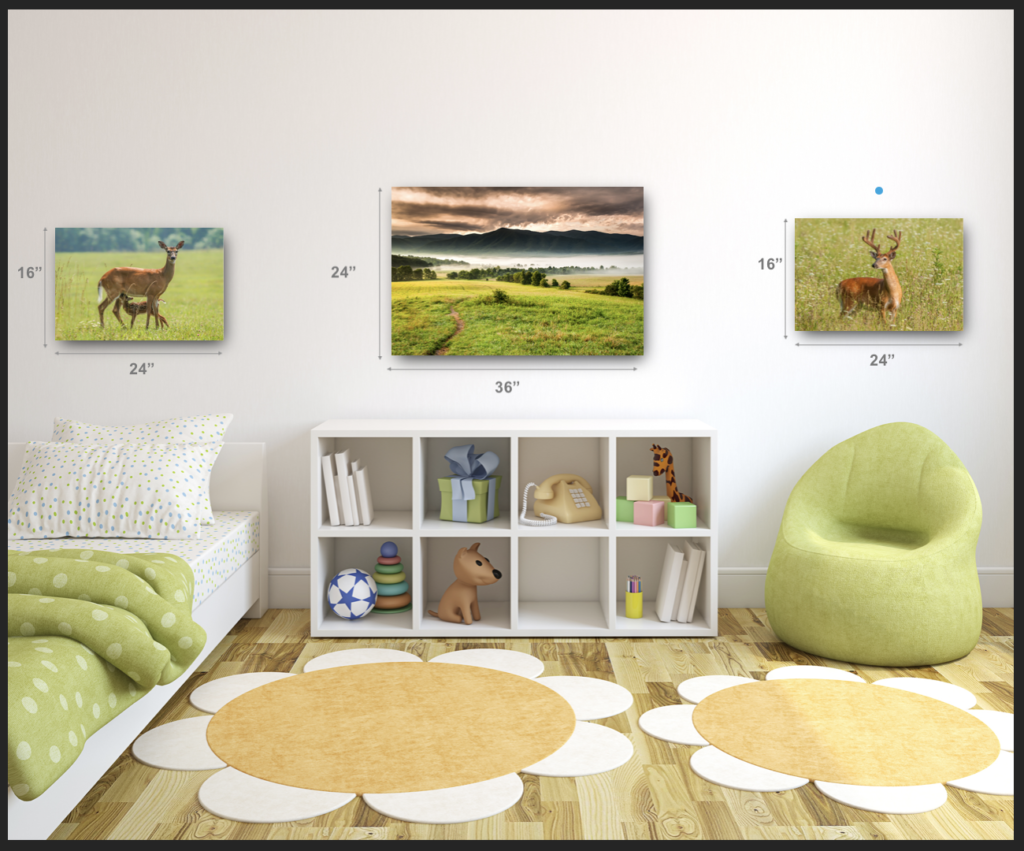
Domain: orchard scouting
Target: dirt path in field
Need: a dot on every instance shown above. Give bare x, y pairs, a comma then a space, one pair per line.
459, 325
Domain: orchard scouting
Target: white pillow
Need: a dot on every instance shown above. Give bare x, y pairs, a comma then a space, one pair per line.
107, 491
183, 430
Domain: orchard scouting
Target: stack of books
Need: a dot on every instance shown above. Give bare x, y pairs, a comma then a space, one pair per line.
680, 579
348, 490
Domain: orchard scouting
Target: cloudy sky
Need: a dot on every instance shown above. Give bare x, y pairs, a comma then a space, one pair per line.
478, 209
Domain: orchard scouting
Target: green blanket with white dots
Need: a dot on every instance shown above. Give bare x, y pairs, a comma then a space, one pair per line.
89, 633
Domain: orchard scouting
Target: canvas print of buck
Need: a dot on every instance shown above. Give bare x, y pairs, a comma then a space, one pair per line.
123, 283
879, 275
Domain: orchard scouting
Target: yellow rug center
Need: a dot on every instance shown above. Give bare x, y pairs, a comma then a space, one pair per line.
844, 732
391, 727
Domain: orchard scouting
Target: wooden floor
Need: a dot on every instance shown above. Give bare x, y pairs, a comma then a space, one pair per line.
653, 796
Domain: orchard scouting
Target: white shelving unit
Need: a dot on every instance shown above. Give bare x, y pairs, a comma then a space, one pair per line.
562, 580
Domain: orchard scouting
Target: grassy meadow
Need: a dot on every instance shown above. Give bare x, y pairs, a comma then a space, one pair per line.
535, 321
193, 303
929, 265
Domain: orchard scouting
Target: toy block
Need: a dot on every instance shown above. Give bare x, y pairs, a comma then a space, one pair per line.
648, 512
639, 487
623, 510
681, 515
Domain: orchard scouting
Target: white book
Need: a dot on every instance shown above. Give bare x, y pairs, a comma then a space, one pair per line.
341, 464
353, 501
695, 563
668, 587
332, 497
365, 497
696, 583
345, 507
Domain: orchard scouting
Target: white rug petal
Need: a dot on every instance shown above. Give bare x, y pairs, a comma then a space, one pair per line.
509, 661
178, 746
997, 779
899, 800
812, 672
696, 689
591, 749
358, 656
211, 696
672, 724
1000, 723
450, 806
590, 698
233, 795
716, 766
956, 696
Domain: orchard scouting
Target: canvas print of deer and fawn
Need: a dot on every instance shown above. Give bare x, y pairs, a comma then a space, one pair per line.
139, 284
879, 275
517, 271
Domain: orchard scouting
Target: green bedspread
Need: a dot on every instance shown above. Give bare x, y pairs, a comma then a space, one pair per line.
89, 633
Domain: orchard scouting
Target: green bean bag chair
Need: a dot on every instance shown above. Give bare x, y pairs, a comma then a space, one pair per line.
874, 562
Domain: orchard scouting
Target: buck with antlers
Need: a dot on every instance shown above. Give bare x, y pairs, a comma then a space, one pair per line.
127, 280
885, 292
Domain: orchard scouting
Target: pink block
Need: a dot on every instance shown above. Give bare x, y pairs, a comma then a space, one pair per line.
649, 512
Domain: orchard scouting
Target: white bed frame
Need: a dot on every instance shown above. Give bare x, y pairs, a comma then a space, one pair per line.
238, 482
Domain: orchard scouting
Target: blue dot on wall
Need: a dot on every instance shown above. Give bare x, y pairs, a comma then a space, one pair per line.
878, 190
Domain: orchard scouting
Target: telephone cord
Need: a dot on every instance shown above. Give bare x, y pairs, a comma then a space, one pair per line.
549, 520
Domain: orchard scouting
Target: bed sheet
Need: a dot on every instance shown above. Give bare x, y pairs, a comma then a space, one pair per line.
218, 552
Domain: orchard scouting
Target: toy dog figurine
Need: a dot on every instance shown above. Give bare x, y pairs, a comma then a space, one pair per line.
459, 605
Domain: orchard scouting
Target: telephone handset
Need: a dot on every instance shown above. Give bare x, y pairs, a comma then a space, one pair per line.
565, 498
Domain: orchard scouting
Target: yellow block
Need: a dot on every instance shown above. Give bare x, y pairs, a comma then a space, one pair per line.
639, 487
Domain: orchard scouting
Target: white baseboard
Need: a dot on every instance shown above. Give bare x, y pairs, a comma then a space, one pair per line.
738, 587
743, 587
289, 587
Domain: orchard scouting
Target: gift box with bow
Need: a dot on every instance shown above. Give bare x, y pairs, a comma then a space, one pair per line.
470, 494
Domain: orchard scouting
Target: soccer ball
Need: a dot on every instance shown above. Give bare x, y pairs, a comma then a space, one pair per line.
352, 594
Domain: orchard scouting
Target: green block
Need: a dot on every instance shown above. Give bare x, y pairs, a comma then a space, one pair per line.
681, 515
388, 568
623, 510
476, 508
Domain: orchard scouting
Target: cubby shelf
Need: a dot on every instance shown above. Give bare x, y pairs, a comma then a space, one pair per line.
559, 581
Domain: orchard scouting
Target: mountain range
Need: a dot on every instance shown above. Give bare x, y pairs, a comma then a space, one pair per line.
510, 242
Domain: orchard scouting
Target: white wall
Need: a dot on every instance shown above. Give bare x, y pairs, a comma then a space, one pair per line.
281, 127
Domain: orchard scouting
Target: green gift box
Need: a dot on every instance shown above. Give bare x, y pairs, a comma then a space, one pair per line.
623, 509
681, 515
480, 509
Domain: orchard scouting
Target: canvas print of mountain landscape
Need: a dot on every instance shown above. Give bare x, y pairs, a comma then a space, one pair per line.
517, 271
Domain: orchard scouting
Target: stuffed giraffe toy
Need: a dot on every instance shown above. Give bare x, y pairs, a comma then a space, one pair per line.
663, 464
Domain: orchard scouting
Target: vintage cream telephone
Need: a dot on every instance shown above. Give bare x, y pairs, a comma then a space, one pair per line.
566, 498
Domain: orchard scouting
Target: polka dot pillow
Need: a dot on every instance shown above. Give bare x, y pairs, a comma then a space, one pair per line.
183, 430
109, 491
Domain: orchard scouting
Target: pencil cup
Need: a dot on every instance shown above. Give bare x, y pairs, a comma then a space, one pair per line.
634, 604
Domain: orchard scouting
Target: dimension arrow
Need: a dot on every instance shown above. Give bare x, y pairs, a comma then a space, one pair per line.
145, 354
879, 345
785, 278
44, 288
515, 369
380, 285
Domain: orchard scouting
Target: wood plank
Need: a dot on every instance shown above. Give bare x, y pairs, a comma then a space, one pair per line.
654, 795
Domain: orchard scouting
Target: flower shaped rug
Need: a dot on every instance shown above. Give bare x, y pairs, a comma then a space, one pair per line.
435, 743
887, 747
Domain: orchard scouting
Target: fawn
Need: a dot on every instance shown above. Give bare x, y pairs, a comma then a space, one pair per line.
134, 308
